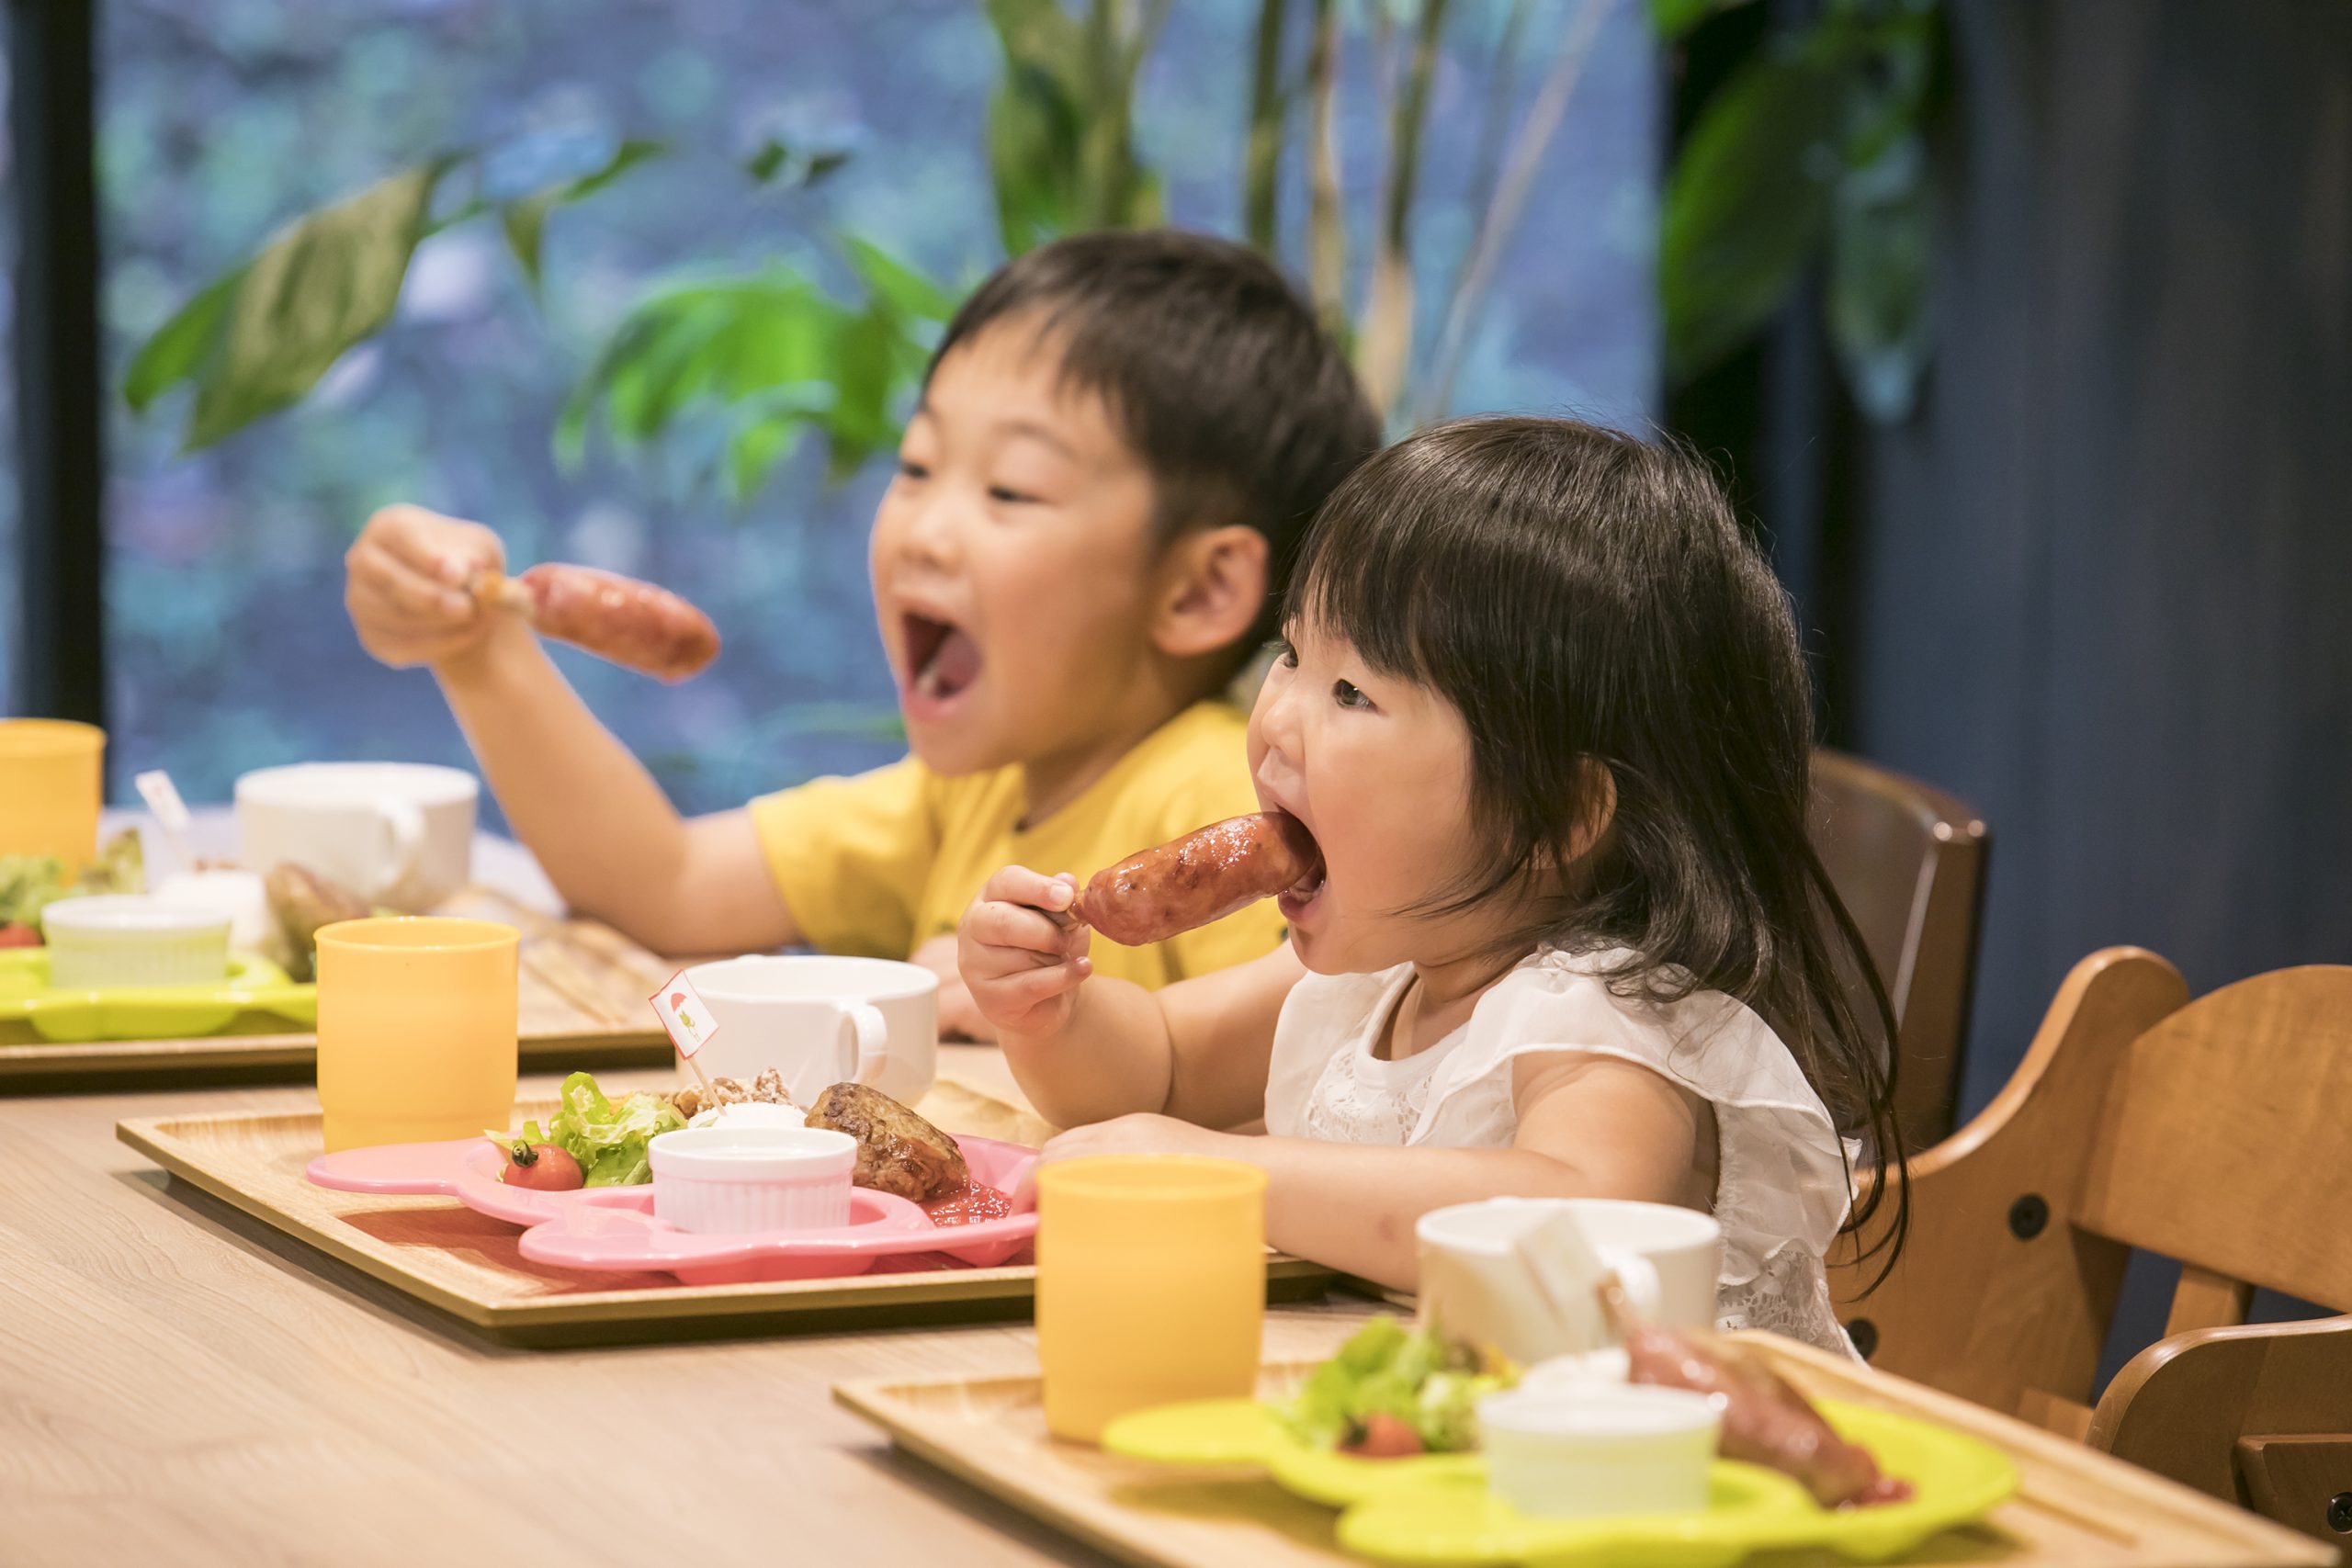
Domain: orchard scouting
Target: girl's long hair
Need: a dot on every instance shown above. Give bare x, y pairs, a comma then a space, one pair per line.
1589, 604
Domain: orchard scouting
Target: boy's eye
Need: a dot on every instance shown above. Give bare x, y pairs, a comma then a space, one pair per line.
1345, 693
1009, 496
909, 468
1284, 654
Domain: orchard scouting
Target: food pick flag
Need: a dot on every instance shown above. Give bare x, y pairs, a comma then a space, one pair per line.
682, 1015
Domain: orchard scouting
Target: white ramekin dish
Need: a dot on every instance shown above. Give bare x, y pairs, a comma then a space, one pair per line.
1570, 1452
129, 939
732, 1180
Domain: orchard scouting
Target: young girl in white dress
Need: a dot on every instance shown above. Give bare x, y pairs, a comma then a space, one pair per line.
1542, 705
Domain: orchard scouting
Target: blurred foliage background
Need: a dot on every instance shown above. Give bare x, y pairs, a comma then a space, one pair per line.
793, 135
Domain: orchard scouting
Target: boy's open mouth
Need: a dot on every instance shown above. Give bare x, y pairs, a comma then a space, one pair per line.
941, 659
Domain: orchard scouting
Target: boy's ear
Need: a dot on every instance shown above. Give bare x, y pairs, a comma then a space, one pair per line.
1213, 589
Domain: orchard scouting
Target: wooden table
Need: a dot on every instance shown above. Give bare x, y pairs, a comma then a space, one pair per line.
180, 1384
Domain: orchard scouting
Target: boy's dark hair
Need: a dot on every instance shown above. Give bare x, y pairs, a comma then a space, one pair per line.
1589, 606
1241, 407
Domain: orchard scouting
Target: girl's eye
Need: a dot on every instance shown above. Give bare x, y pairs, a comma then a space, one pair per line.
1284, 654
1345, 693
909, 468
1010, 497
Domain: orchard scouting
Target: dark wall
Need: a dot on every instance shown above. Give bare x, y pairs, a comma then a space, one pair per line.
2105, 586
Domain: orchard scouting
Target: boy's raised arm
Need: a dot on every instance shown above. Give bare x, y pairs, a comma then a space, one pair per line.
608, 836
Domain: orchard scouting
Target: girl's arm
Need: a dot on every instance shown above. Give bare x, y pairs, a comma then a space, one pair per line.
1086, 1049
1588, 1127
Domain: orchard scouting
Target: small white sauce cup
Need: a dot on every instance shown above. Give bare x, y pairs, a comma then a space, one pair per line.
732, 1180
128, 939
1577, 1453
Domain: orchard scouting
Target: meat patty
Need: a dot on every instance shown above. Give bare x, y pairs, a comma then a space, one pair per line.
897, 1151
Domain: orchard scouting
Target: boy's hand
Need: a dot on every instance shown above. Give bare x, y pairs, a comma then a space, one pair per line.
1021, 956
406, 584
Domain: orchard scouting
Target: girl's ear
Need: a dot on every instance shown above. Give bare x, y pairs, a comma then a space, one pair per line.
1598, 785
1212, 591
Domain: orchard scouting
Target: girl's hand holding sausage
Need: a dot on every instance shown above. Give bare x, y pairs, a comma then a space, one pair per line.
407, 584
1021, 953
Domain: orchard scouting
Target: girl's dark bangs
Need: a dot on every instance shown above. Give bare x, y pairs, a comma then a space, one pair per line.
1368, 578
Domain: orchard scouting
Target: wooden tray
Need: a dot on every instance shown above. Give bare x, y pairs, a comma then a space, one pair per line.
582, 991
465, 1265
2074, 1506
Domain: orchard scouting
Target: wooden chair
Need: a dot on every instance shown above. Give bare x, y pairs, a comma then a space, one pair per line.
1909, 861
2217, 1131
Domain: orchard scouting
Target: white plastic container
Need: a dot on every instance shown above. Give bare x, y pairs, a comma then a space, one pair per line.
129, 939
1575, 1452
239, 894
732, 1180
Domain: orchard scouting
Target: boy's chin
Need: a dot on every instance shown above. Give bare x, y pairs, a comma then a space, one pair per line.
955, 746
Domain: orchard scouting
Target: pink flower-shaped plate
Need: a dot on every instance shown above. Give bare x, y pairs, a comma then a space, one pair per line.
612, 1229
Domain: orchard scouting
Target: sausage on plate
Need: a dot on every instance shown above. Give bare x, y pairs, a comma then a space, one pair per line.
633, 624
1765, 1421
1201, 877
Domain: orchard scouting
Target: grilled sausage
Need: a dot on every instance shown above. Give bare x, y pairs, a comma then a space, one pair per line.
633, 624
1765, 1421
1201, 877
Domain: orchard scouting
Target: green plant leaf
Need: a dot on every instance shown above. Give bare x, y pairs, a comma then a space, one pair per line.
525, 219
1746, 205
1876, 302
894, 282
182, 345
1673, 18
328, 282
771, 357
1035, 122
775, 163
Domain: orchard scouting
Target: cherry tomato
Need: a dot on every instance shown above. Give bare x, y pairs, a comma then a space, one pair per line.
1384, 1436
15, 935
543, 1168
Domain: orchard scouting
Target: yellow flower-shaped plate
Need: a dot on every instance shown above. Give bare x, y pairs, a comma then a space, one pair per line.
147, 1012
1435, 1509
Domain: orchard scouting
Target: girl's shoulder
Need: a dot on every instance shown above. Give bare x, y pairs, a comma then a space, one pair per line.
1597, 1001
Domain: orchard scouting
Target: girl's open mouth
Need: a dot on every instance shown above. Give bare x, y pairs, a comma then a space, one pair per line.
942, 660
1300, 896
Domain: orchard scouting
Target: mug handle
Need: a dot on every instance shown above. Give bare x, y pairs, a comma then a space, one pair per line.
403, 823
864, 1041
1637, 1276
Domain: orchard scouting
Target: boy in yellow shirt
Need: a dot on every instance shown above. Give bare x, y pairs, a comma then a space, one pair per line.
1119, 443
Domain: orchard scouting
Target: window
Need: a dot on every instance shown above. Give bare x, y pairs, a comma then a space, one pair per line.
228, 647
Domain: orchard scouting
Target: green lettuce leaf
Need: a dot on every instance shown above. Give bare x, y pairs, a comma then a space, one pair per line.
1418, 1375
608, 1140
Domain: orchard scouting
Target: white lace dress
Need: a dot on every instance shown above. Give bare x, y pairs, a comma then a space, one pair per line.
1781, 1189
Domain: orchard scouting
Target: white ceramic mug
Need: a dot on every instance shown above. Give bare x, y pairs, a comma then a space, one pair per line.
1475, 1281
400, 834
821, 1020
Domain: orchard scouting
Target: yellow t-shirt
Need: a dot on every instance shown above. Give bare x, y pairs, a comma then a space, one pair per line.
880, 863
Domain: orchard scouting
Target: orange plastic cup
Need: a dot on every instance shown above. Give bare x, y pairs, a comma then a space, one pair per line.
1151, 1285
51, 784
416, 1030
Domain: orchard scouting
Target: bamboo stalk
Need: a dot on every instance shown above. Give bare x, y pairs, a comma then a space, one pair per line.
1387, 343
1501, 217
1327, 223
1269, 112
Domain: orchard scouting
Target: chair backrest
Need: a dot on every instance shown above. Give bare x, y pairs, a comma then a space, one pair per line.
2215, 1133
2227, 1142
1909, 861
